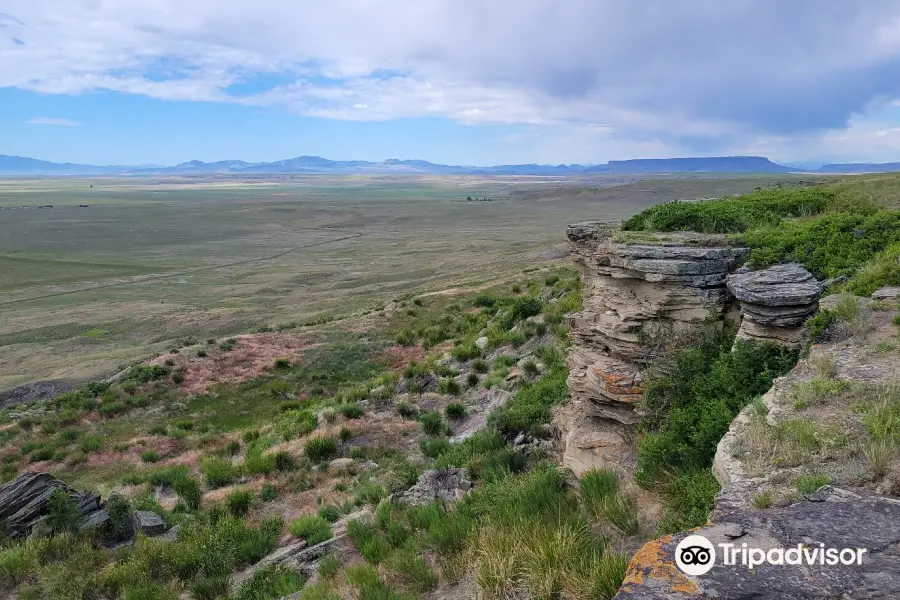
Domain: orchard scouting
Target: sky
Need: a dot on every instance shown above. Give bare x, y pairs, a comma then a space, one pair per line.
473, 82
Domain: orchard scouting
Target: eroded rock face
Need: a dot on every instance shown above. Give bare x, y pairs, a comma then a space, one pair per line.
775, 302
633, 287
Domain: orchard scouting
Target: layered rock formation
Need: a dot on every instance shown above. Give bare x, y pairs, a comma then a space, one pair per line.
775, 302
24, 501
634, 288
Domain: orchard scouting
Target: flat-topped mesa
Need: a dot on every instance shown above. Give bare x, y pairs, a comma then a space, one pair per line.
633, 283
775, 302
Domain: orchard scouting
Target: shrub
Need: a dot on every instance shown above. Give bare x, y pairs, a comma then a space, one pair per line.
883, 269
551, 280
466, 352
319, 449
434, 447
149, 456
238, 502
312, 528
732, 215
268, 493
688, 499
330, 513
218, 471
228, 344
455, 411
763, 500
120, 525
692, 394
282, 363
283, 461
201, 353
407, 410
62, 512
369, 541
484, 300
329, 565
270, 583
449, 386
480, 366
345, 435
351, 410
432, 423
90, 443
157, 430
530, 409
178, 376
807, 484
406, 337
412, 568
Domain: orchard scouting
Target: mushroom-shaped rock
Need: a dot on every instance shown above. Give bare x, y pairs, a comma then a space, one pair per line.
775, 302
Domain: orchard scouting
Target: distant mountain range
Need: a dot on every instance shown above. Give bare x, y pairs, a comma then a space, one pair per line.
21, 166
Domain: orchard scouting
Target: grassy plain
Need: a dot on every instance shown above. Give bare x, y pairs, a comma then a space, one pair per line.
150, 262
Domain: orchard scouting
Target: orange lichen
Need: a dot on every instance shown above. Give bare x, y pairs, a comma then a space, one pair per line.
653, 562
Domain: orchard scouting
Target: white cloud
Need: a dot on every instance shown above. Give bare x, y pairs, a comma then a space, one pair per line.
51, 121
654, 76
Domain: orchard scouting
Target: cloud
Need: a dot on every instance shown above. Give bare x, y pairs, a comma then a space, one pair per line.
694, 74
51, 121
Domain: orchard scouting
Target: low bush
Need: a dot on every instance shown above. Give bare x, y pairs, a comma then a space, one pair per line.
449, 386
455, 411
694, 391
434, 447
218, 472
149, 456
270, 583
319, 449
312, 528
351, 410
238, 502
432, 423
809, 483
530, 409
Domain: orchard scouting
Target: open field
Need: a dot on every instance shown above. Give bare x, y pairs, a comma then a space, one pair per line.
148, 263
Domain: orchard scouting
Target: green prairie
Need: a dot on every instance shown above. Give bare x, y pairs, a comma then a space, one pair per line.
146, 263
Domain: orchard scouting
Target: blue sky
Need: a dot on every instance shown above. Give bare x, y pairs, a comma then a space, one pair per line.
451, 81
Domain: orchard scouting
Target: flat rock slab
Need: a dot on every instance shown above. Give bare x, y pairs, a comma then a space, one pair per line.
890, 292
838, 519
781, 285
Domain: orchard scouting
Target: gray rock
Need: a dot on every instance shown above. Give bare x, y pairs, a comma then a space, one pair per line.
150, 523
339, 464
844, 519
890, 292
448, 485
782, 285
172, 534
23, 501
481, 342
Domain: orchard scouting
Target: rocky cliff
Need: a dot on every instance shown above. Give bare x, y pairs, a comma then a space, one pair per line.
805, 468
634, 289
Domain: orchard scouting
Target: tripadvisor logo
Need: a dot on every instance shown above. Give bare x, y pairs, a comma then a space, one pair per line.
696, 555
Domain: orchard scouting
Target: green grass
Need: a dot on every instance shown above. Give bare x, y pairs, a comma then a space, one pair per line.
260, 255
312, 528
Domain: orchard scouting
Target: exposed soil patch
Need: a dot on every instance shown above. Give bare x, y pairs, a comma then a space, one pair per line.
253, 356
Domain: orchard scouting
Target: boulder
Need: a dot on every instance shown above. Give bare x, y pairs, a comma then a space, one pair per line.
149, 523
775, 302
23, 501
448, 485
340, 464
481, 342
835, 517
888, 292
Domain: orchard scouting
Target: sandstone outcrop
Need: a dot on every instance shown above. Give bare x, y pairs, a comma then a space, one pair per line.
635, 287
775, 302
858, 509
